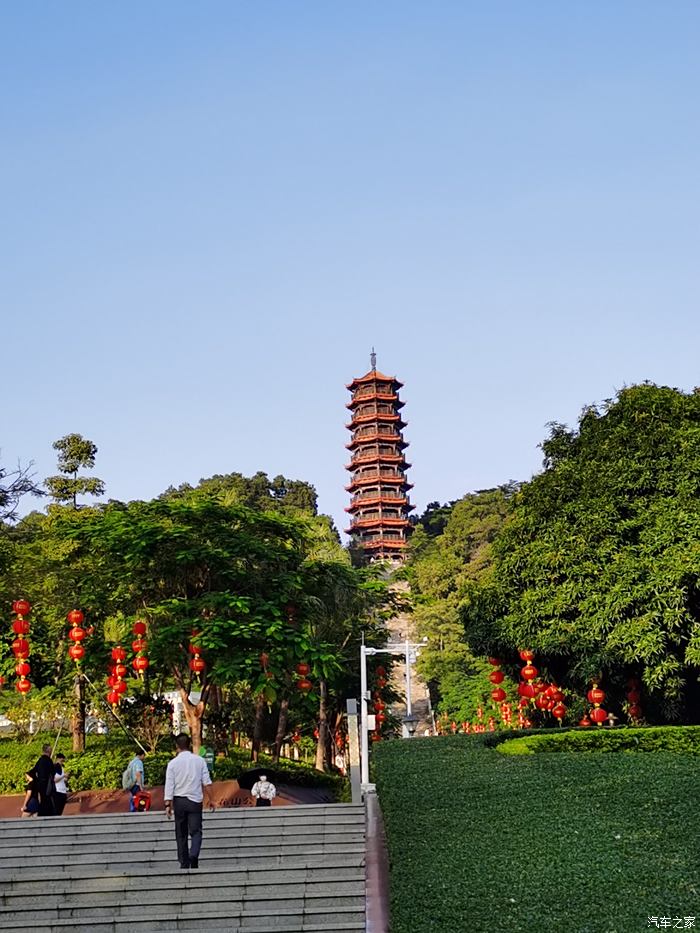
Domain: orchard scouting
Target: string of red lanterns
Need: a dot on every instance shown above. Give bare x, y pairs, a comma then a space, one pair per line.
20, 645
379, 704
77, 633
139, 646
197, 663
596, 696
634, 710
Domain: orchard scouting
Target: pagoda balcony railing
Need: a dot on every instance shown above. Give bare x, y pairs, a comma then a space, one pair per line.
373, 396
372, 431
388, 472
375, 388
393, 494
376, 455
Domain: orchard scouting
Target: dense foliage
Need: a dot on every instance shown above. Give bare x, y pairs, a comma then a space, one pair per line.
483, 841
654, 739
598, 567
451, 550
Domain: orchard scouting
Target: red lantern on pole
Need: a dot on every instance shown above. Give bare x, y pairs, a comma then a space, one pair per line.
140, 665
559, 711
304, 685
527, 656
77, 633
138, 645
113, 699
75, 617
24, 686
118, 653
498, 694
20, 627
529, 672
21, 607
20, 648
497, 677
495, 661
303, 669
596, 695
23, 669
139, 628
198, 665
598, 715
76, 652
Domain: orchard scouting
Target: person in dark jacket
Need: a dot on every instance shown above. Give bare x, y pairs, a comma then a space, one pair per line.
43, 772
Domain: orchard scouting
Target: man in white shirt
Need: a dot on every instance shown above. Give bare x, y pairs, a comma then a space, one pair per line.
187, 782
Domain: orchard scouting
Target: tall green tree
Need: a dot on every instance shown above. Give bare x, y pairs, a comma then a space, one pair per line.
598, 566
74, 453
451, 548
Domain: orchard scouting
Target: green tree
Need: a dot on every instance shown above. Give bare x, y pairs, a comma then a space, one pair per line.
13, 485
446, 559
598, 567
74, 453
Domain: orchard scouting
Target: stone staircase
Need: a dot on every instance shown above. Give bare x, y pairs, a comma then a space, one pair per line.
276, 870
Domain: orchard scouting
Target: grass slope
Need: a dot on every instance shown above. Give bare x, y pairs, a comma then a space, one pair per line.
579, 843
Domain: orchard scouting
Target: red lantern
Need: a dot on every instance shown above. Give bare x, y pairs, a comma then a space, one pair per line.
118, 653
495, 661
380, 718
304, 685
585, 723
559, 711
557, 695
76, 652
529, 672
527, 656
112, 681
634, 696
120, 670
24, 686
598, 715
541, 702
22, 607
20, 647
303, 669
120, 687
376, 737
379, 705
498, 694
198, 665
140, 664
22, 669
596, 696
296, 737
528, 691
380, 671
113, 698
381, 682
497, 677
20, 627
76, 633
634, 711
75, 617
139, 628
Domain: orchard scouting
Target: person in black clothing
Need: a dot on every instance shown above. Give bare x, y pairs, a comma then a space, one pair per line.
30, 804
43, 773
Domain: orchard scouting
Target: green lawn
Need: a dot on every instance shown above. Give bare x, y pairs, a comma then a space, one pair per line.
577, 842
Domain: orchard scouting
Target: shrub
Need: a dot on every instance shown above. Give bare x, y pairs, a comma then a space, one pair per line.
651, 739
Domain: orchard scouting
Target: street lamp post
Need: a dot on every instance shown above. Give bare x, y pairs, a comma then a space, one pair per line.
408, 649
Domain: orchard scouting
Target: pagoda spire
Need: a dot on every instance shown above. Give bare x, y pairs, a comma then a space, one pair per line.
379, 488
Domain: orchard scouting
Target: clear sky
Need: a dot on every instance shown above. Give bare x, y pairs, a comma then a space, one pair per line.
212, 211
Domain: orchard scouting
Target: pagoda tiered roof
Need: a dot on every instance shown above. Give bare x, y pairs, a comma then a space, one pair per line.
395, 439
374, 376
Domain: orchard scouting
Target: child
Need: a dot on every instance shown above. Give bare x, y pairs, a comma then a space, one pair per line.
30, 804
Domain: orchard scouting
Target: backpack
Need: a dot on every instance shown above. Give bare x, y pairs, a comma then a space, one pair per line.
127, 778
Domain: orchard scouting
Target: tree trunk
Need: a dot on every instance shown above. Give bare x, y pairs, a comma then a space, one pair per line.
258, 729
78, 715
193, 714
322, 744
281, 727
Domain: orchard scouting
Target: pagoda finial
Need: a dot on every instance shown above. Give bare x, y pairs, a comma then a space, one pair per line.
373, 360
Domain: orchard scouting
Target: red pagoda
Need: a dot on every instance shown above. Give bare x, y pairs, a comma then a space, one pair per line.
379, 506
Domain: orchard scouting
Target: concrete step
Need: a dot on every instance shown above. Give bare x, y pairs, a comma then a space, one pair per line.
281, 870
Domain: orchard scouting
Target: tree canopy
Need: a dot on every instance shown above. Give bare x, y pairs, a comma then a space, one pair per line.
597, 569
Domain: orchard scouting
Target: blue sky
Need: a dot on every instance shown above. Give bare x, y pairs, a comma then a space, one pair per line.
211, 212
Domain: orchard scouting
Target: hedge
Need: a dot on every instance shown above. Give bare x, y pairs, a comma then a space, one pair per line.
651, 739
583, 843
101, 765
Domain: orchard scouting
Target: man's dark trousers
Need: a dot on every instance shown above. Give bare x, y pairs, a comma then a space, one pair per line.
188, 821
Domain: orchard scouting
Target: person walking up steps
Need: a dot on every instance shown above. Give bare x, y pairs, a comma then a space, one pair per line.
61, 787
187, 783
